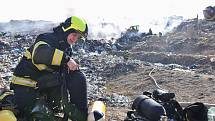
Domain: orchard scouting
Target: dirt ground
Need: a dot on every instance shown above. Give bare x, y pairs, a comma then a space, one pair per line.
186, 46
188, 86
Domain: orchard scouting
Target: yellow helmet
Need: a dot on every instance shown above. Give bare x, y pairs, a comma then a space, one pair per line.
75, 24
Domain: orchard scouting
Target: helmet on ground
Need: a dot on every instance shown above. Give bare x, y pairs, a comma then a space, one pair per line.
75, 24
209, 13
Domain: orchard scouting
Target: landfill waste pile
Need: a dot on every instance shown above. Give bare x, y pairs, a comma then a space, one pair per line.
93, 56
117, 70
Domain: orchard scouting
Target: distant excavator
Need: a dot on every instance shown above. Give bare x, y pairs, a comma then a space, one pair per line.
134, 29
209, 13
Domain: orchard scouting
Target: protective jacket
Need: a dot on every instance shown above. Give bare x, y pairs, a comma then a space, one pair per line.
46, 55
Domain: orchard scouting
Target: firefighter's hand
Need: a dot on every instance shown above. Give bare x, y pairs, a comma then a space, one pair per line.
72, 65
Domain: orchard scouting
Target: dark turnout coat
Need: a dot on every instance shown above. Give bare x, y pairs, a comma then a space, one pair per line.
44, 56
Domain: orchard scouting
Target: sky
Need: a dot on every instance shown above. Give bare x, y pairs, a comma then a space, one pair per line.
110, 10
122, 13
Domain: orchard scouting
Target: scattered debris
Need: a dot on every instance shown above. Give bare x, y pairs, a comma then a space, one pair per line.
117, 69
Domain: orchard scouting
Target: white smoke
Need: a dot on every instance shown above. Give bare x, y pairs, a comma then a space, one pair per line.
163, 25
107, 29
26, 26
110, 24
104, 30
116, 15
99, 28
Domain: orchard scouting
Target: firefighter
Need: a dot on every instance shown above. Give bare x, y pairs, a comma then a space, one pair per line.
41, 66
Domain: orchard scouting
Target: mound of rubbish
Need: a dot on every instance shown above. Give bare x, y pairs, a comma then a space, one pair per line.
93, 56
191, 36
190, 43
118, 69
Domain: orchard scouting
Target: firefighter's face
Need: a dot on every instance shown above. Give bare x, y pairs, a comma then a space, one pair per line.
73, 37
